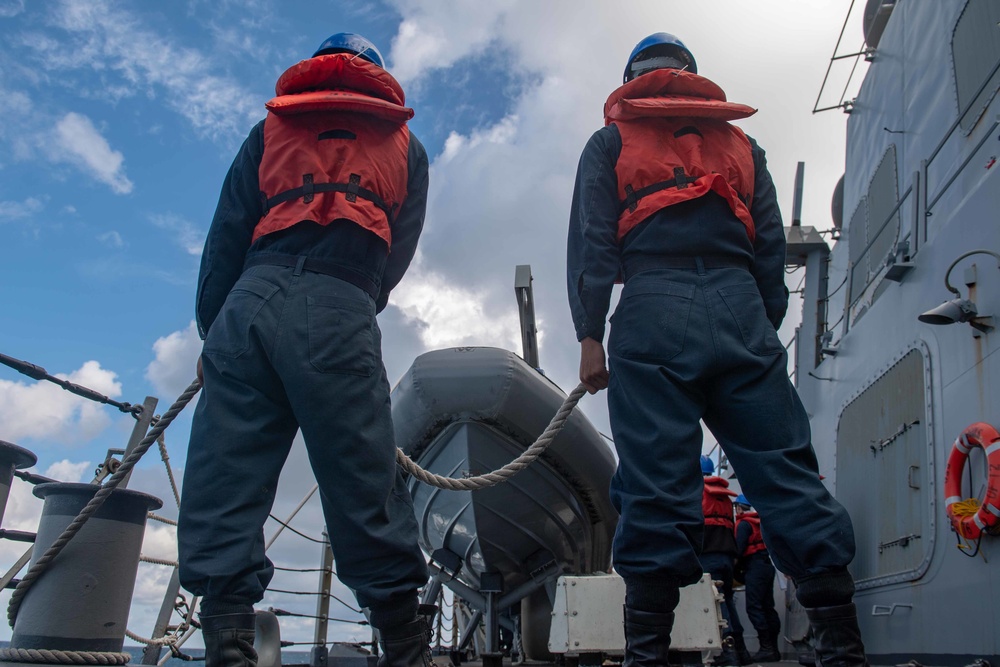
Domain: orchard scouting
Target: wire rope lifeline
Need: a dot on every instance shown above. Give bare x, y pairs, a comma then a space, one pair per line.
502, 474
42, 564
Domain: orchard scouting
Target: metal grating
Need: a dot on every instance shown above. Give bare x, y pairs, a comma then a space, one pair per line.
975, 48
882, 470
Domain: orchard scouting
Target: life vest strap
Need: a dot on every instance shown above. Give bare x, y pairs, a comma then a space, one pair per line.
632, 196
352, 190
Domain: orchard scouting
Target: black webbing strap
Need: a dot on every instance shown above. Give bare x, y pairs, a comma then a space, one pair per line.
352, 190
632, 197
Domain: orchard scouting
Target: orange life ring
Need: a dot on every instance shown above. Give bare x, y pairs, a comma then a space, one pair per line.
987, 519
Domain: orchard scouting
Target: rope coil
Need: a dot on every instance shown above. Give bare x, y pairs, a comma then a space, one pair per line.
64, 657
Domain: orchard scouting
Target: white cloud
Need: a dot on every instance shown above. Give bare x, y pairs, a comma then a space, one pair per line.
182, 232
106, 37
173, 369
437, 34
18, 210
448, 316
81, 144
112, 239
42, 410
69, 471
10, 8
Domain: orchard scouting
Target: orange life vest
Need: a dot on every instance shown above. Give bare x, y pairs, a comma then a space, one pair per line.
335, 146
717, 504
756, 542
677, 145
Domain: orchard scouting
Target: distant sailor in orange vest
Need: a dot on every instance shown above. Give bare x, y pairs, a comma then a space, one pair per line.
718, 558
676, 202
758, 576
317, 221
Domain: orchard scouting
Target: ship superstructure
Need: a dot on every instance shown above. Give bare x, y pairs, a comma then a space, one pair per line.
895, 356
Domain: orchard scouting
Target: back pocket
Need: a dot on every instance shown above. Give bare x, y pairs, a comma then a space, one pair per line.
341, 336
651, 320
229, 335
747, 308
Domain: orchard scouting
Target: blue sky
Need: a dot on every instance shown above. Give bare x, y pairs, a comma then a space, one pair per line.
121, 119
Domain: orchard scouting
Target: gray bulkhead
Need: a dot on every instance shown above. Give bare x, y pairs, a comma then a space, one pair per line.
891, 394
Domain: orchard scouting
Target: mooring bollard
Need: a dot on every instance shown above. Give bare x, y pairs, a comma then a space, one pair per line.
12, 458
81, 602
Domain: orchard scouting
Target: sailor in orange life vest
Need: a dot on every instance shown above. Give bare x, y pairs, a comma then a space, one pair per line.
679, 203
296, 265
758, 576
718, 557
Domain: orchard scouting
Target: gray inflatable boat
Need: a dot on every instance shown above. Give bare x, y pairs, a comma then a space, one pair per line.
466, 411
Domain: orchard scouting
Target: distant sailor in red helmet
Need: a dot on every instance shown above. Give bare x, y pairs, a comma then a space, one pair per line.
678, 203
296, 265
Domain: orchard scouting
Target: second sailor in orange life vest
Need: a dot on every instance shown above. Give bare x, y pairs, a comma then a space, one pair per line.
680, 205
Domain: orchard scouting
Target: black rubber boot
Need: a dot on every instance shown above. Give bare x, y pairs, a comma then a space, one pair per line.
647, 638
229, 640
728, 657
408, 645
836, 636
768, 651
742, 654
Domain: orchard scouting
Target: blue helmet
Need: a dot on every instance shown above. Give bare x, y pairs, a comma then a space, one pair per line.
348, 42
659, 50
707, 466
741, 500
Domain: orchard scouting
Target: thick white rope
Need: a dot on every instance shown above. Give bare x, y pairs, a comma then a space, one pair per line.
509, 470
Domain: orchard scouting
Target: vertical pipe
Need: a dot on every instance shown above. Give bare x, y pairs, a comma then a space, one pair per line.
800, 175
145, 418
319, 654
151, 654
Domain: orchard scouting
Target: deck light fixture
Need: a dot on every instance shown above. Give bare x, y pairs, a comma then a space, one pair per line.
959, 309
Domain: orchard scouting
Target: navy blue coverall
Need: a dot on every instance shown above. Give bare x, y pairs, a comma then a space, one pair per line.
759, 581
690, 344
288, 348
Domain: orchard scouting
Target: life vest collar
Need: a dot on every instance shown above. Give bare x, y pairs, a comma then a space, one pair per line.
339, 82
718, 486
672, 93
